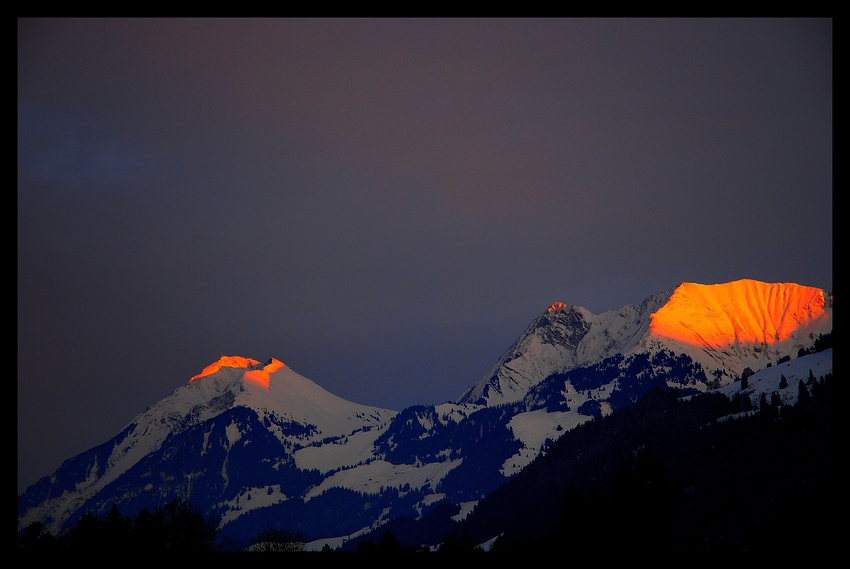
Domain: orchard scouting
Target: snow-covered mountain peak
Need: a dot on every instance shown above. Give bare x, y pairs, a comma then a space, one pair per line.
562, 338
295, 410
277, 389
745, 323
235, 374
272, 389
723, 327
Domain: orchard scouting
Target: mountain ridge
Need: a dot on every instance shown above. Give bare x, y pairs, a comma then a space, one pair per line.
657, 324
258, 443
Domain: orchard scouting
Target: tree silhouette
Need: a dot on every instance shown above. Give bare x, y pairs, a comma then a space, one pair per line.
35, 537
187, 530
116, 530
802, 394
149, 531
85, 535
367, 547
462, 544
745, 377
775, 401
177, 526
389, 543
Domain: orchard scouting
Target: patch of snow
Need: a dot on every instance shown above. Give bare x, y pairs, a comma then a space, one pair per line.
335, 542
465, 509
368, 478
233, 434
533, 428
348, 451
427, 501
767, 380
207, 440
455, 412
487, 545
249, 499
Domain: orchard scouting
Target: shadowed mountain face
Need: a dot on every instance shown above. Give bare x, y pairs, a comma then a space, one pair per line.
258, 444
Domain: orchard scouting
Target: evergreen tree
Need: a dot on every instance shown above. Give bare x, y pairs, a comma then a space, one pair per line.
148, 532
802, 394
745, 377
116, 530
367, 546
187, 530
84, 536
35, 537
463, 544
783, 383
389, 543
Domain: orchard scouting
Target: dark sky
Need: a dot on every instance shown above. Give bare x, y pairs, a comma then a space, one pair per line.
386, 205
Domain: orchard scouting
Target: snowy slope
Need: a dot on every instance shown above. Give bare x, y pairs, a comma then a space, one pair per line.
767, 381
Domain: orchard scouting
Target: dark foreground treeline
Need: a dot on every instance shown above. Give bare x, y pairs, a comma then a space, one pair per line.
177, 527
683, 483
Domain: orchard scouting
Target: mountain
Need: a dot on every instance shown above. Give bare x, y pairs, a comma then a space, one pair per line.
259, 445
724, 328
216, 417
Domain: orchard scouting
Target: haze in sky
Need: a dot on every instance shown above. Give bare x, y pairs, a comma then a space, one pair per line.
385, 205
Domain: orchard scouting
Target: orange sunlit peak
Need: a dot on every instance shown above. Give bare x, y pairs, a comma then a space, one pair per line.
739, 312
227, 361
556, 306
262, 377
